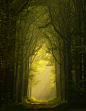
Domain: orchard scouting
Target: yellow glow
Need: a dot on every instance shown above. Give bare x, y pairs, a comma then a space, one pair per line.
43, 90
41, 65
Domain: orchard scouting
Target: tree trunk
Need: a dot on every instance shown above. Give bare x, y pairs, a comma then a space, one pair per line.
57, 72
84, 42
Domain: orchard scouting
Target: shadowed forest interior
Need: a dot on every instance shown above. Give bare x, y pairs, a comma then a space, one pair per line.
43, 54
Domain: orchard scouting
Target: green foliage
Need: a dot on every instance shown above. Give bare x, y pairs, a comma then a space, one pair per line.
54, 100
16, 107
62, 107
6, 99
32, 99
80, 49
43, 101
10, 44
76, 93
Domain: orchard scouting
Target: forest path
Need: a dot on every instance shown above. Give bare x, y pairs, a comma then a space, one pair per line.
40, 107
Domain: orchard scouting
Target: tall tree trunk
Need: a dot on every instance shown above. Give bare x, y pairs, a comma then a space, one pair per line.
65, 69
69, 50
20, 77
57, 72
9, 32
84, 42
62, 74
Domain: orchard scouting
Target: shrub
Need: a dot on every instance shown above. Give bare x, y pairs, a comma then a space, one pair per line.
54, 100
32, 99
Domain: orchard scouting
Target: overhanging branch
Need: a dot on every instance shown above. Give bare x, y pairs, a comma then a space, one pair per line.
17, 8
54, 24
53, 51
24, 6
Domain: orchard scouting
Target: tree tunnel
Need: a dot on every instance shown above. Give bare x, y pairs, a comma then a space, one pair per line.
42, 75
43, 50
34, 55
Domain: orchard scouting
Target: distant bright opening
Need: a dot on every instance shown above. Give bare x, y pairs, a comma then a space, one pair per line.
42, 85
43, 90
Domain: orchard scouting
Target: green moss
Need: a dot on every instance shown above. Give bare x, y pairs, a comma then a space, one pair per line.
54, 100
32, 99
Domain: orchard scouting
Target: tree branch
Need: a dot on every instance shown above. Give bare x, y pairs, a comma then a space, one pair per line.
53, 51
17, 8
54, 24
24, 6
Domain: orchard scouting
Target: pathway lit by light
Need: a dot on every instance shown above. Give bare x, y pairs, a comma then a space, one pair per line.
43, 91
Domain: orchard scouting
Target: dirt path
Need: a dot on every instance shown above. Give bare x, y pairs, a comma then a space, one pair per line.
41, 107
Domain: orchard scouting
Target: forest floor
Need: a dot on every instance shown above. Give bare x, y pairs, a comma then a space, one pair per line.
41, 106
30, 106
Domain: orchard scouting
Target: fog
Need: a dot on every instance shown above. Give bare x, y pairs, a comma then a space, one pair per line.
43, 90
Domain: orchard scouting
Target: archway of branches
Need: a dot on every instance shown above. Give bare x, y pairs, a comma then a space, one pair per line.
34, 43
43, 37
42, 75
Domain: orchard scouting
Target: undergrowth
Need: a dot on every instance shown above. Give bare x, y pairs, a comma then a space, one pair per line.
32, 99
55, 103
